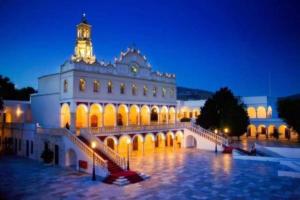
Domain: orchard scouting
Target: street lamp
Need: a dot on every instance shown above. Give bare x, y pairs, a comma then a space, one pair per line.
216, 147
226, 130
128, 143
93, 144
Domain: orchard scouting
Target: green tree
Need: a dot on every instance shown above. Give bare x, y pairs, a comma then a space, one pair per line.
224, 110
289, 111
9, 92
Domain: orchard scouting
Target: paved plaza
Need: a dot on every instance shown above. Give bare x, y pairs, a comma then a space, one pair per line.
185, 174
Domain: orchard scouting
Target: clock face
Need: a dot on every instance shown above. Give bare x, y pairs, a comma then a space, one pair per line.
134, 69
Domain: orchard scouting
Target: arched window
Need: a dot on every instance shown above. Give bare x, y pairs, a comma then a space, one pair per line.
145, 90
96, 86
109, 87
155, 91
134, 89
122, 88
163, 92
65, 86
82, 85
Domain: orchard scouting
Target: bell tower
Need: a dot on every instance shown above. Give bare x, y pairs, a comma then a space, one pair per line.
84, 48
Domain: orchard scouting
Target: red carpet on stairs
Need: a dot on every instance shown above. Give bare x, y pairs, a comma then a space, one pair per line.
114, 169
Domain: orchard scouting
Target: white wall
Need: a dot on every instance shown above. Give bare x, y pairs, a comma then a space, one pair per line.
46, 110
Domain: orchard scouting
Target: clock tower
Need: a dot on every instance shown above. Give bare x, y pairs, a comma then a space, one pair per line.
84, 48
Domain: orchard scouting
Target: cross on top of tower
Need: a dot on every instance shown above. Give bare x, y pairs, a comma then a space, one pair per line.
83, 19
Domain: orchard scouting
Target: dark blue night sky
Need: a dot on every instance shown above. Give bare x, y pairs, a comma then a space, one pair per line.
207, 44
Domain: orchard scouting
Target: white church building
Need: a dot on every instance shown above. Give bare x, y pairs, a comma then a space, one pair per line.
122, 106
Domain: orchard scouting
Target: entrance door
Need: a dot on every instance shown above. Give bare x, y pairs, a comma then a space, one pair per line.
56, 152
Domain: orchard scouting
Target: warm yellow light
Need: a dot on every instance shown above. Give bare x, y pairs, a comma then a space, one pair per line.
226, 130
216, 131
93, 145
128, 141
19, 111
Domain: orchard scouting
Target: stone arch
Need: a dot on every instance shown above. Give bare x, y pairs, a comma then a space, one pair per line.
134, 115
154, 114
251, 130
283, 131
178, 139
251, 112
190, 142
172, 115
145, 115
96, 115
170, 139
111, 141
196, 112
65, 115
109, 115
261, 112
81, 116
124, 141
149, 142
163, 115
71, 159
185, 112
271, 129
137, 142
160, 140
122, 119
261, 129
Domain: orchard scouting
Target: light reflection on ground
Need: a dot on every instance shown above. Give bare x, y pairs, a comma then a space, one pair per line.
183, 174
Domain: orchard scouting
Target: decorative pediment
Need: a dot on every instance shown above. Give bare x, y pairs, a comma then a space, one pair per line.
131, 57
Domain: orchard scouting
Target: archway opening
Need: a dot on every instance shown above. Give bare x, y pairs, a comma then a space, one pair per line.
164, 115
95, 116
65, 116
154, 115
124, 145
169, 139
137, 143
145, 115
261, 129
81, 116
178, 139
149, 143
251, 112
110, 142
261, 112
191, 142
271, 130
196, 112
172, 115
160, 140
134, 115
251, 131
109, 115
122, 115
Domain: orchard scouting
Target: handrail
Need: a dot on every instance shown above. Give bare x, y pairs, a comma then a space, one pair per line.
87, 150
113, 155
209, 134
126, 129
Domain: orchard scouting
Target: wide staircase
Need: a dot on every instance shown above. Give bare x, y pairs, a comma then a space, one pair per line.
118, 175
209, 135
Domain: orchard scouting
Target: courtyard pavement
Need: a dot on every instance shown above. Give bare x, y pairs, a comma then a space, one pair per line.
183, 174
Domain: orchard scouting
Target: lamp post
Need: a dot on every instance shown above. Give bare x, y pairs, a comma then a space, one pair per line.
216, 147
94, 173
128, 143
